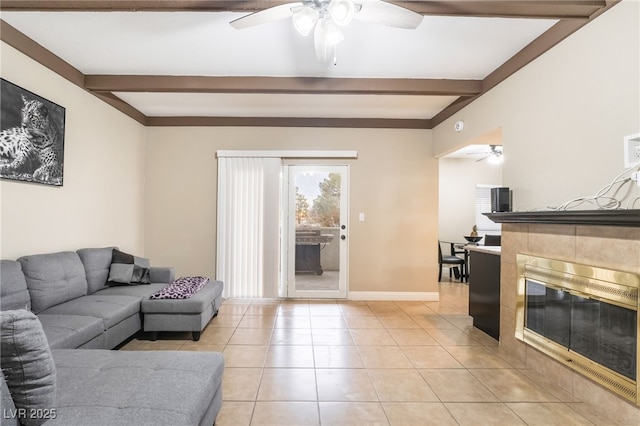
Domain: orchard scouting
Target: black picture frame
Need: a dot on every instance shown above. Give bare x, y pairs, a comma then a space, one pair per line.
31, 136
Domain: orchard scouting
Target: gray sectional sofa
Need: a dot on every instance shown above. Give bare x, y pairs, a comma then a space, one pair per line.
82, 317
68, 292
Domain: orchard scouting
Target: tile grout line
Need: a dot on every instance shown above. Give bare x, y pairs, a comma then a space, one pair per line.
313, 345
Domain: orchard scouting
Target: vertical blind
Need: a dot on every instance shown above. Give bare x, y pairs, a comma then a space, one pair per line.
248, 227
483, 205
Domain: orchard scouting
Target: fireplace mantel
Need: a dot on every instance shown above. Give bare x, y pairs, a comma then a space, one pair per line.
622, 217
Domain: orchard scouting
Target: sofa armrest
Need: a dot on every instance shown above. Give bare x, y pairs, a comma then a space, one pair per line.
162, 274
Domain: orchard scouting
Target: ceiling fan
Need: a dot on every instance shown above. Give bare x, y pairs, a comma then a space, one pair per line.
495, 156
326, 17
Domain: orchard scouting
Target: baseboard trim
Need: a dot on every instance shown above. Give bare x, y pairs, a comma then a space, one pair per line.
432, 296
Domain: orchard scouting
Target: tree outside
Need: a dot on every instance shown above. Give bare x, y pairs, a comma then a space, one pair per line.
325, 208
302, 207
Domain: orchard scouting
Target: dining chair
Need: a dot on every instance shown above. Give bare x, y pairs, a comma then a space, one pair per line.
451, 262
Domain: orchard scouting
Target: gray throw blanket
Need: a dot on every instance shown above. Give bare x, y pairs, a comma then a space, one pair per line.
182, 288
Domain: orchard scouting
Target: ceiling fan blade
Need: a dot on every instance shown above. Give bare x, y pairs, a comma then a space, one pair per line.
484, 158
380, 12
267, 15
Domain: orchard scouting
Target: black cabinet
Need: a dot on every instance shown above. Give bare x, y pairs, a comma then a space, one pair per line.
484, 292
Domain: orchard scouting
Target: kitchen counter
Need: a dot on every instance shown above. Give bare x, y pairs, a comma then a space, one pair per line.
484, 249
484, 288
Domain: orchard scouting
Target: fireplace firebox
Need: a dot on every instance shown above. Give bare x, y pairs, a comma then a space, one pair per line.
583, 316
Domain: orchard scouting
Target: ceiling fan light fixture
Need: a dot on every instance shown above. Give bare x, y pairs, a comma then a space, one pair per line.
326, 53
327, 32
327, 35
305, 19
496, 155
341, 11
495, 158
326, 17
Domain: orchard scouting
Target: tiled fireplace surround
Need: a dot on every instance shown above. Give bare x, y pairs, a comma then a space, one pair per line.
613, 247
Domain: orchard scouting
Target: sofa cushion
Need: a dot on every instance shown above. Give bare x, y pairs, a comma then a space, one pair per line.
27, 365
7, 404
128, 269
162, 274
70, 331
13, 287
53, 278
97, 262
139, 291
134, 388
111, 309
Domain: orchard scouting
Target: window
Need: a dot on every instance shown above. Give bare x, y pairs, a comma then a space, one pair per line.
483, 205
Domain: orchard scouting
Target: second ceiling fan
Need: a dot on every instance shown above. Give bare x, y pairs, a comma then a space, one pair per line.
326, 17
494, 156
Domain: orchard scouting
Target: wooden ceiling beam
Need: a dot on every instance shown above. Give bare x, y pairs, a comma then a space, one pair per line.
468, 91
537, 47
354, 123
557, 9
122, 106
288, 85
24, 44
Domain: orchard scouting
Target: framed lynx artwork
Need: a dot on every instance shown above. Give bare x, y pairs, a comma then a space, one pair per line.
31, 136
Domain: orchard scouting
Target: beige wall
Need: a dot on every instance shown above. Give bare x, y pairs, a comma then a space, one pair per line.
458, 180
101, 202
394, 182
563, 119
564, 116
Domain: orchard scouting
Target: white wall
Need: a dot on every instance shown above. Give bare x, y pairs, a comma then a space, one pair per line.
563, 116
102, 199
458, 180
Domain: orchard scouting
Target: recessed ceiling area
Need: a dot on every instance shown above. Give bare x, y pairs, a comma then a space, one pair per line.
165, 59
470, 152
479, 147
191, 43
285, 105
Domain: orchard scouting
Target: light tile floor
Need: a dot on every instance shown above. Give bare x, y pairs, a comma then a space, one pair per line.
328, 362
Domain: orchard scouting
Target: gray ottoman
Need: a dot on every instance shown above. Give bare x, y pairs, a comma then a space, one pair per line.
192, 314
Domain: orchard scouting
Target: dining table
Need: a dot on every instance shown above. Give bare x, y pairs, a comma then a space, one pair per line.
464, 249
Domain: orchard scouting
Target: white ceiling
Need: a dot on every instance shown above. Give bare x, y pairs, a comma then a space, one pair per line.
285, 105
204, 44
197, 43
